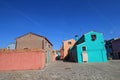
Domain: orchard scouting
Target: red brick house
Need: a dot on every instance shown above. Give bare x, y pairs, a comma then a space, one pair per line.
34, 41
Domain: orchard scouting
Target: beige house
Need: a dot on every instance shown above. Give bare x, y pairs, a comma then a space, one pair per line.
34, 41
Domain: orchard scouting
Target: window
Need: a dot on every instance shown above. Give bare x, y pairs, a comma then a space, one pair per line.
69, 43
83, 48
42, 44
49, 46
25, 48
93, 36
45, 43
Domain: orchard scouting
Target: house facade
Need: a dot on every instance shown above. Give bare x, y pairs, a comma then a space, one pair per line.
116, 48
57, 53
109, 49
34, 41
65, 47
61, 53
89, 48
11, 46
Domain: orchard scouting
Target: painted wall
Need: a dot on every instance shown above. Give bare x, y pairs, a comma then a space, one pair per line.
48, 57
53, 56
22, 61
61, 54
116, 48
67, 45
30, 41
72, 56
48, 50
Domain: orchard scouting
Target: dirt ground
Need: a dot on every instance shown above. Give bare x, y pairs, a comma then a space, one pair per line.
68, 71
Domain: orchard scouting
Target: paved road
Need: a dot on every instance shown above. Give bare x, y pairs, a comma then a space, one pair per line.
68, 71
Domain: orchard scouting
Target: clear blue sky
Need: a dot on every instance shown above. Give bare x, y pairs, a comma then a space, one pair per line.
58, 20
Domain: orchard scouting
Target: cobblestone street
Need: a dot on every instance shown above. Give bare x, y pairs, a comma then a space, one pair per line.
68, 71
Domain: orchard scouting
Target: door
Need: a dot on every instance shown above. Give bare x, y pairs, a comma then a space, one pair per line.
84, 54
118, 55
48, 59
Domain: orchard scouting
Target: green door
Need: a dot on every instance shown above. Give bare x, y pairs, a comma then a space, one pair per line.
48, 56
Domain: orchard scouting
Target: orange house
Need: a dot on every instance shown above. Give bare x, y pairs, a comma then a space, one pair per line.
65, 47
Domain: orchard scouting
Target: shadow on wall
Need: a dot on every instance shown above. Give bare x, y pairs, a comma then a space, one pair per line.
68, 58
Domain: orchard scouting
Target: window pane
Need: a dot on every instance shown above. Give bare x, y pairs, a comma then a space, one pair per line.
93, 37
69, 43
83, 48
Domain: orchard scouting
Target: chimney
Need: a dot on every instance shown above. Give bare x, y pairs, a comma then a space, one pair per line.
76, 37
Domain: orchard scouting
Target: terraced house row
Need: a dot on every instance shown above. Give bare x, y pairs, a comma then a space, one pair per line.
33, 51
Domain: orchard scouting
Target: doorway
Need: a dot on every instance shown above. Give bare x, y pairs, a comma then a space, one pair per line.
118, 55
84, 54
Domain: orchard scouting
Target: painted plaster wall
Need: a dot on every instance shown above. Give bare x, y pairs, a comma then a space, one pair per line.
22, 61
66, 46
116, 49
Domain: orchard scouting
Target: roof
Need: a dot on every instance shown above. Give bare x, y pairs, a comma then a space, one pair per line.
92, 32
36, 35
68, 40
116, 39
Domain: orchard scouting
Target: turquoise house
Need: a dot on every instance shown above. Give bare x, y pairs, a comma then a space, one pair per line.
89, 48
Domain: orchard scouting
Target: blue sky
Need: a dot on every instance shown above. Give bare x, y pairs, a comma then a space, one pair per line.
58, 20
